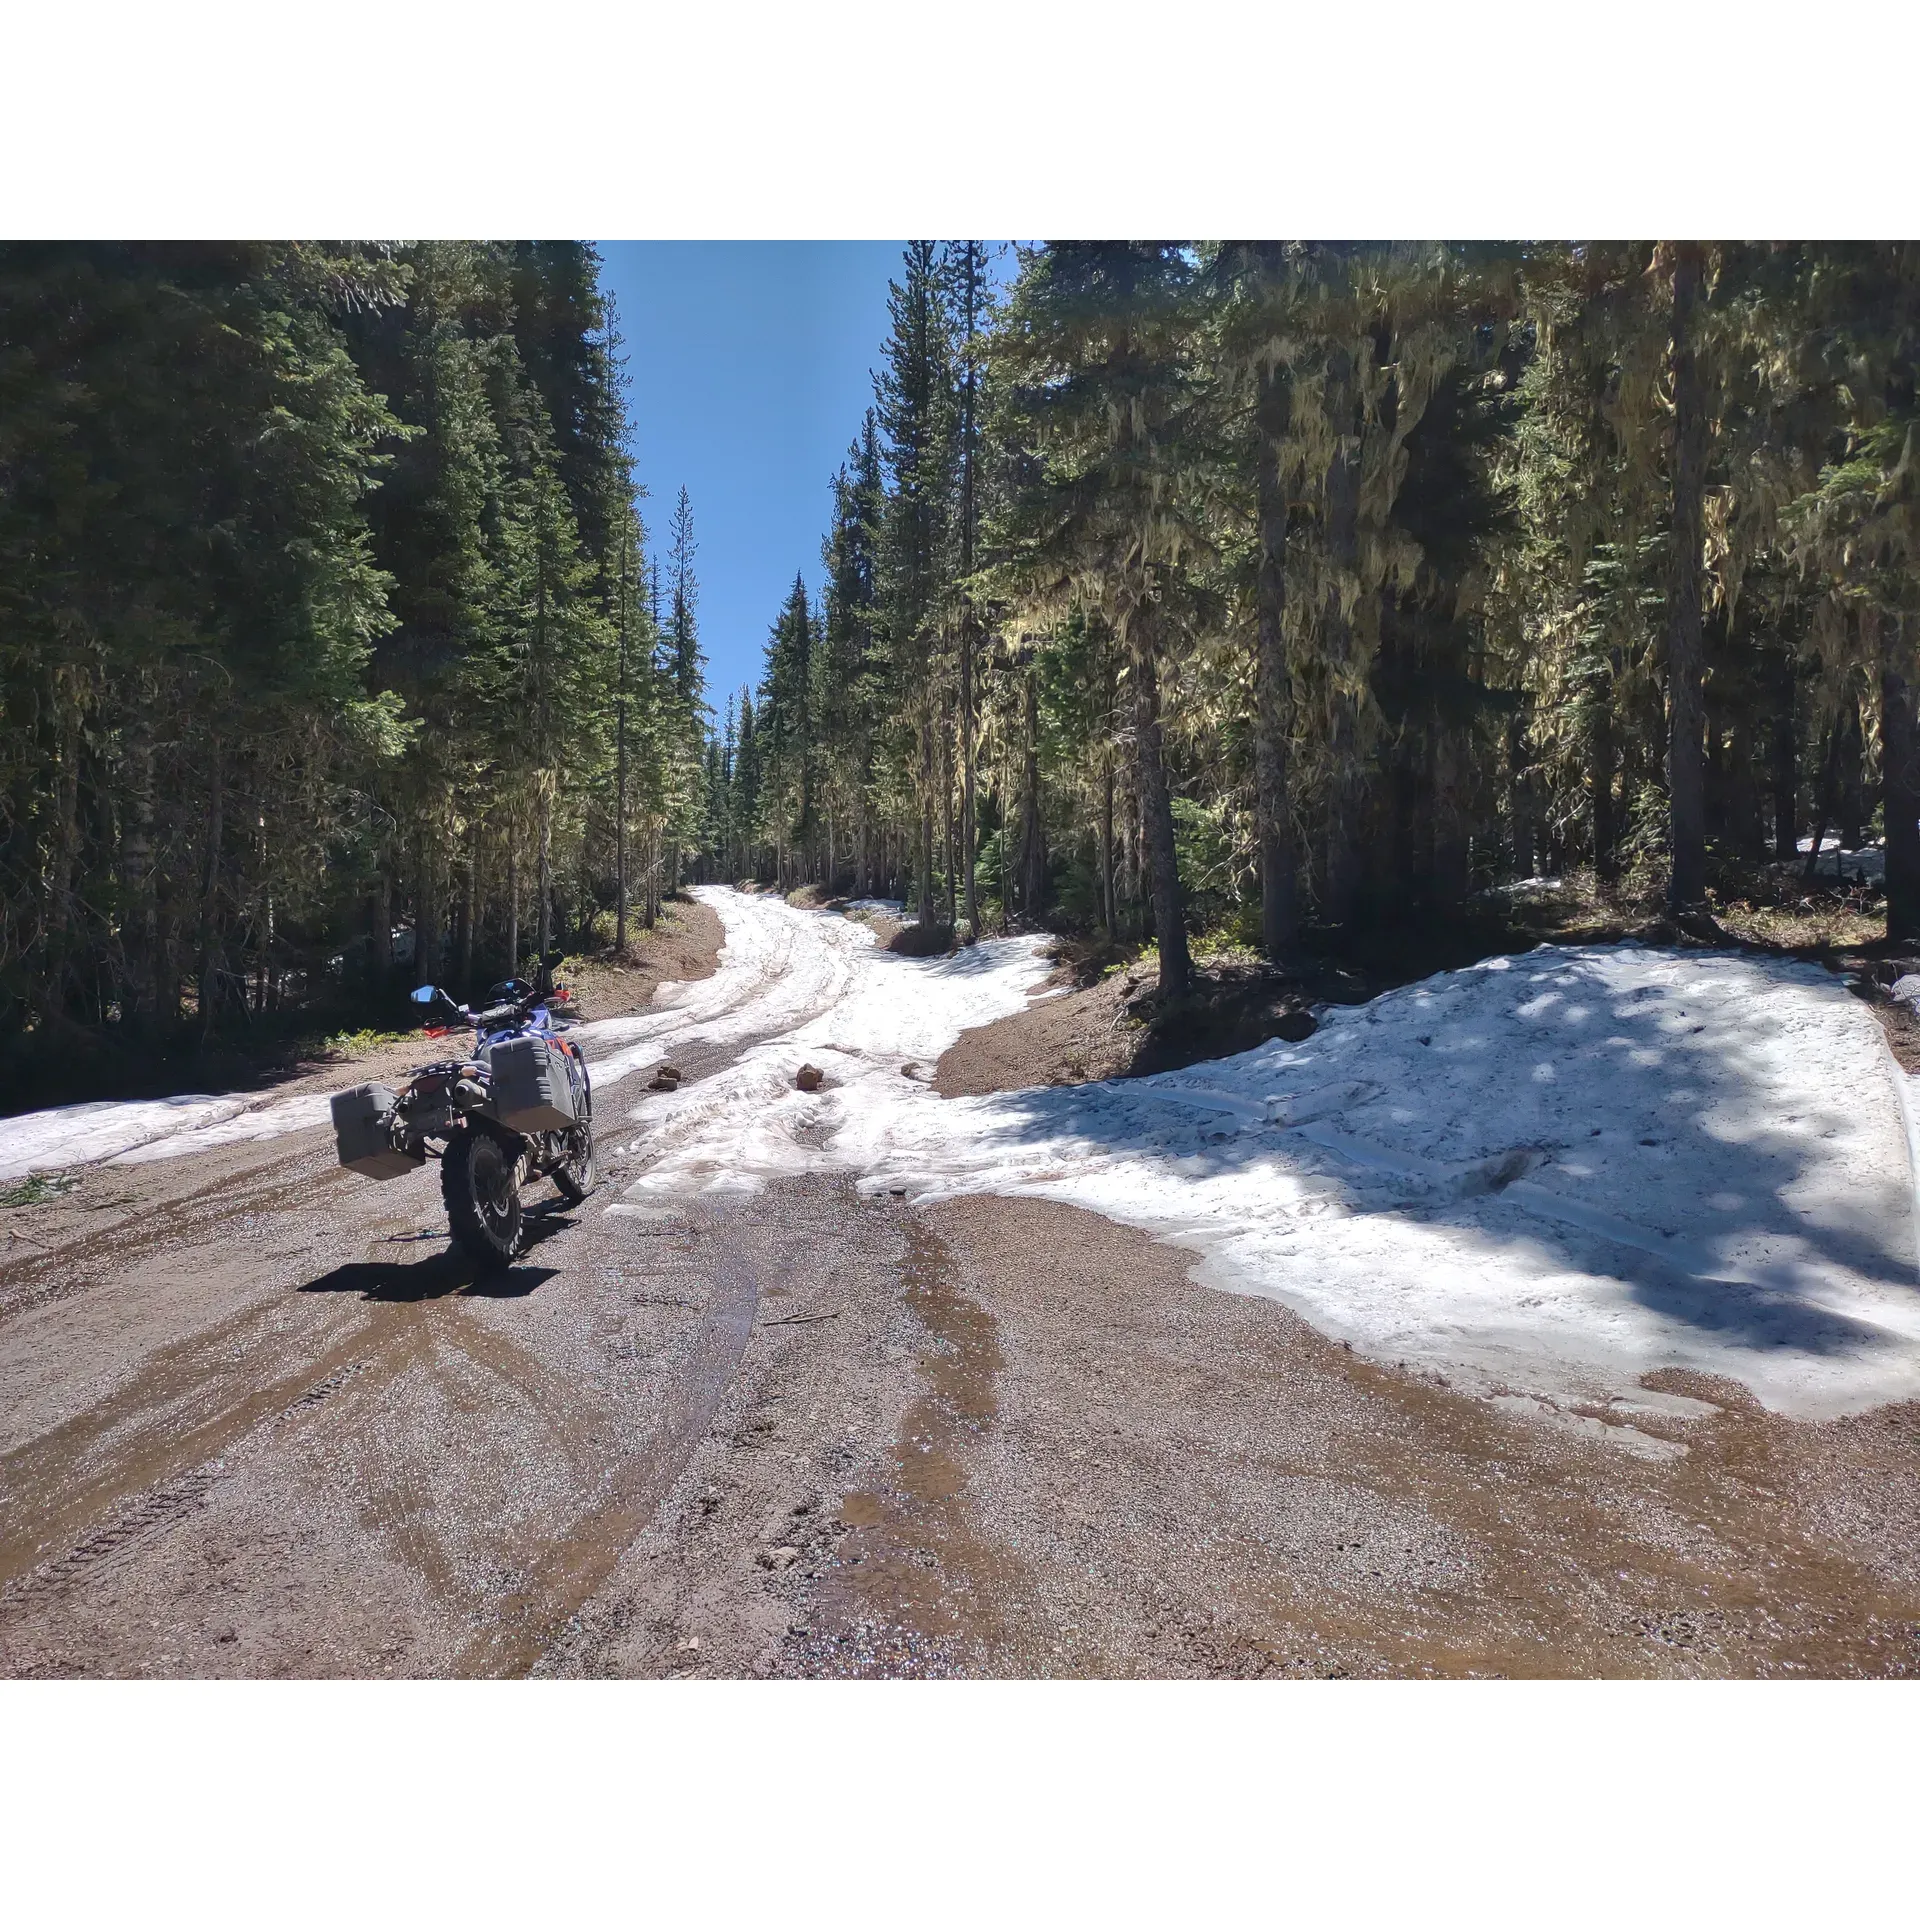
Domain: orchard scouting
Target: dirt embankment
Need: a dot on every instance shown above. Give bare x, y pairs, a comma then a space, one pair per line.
1107, 1024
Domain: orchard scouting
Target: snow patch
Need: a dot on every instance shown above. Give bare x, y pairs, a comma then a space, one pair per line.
796, 988
1551, 1173
98, 1129
1712, 1172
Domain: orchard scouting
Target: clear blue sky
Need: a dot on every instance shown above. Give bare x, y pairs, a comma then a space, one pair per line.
749, 365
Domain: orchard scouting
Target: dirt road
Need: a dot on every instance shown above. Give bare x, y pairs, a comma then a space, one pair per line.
256, 1419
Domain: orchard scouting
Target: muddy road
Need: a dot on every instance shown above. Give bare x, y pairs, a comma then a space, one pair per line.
257, 1419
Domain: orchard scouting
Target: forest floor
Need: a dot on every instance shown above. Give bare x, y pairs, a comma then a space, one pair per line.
256, 1418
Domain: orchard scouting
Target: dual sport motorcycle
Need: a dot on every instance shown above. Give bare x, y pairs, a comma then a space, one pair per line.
518, 1109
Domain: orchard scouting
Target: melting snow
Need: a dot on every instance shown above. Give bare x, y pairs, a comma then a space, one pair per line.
1556, 1172
99, 1129
129, 1132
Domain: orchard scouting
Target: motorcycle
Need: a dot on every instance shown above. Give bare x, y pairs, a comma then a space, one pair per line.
518, 1109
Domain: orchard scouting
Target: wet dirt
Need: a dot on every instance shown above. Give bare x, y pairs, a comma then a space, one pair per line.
916, 1587
1184, 1482
570, 1569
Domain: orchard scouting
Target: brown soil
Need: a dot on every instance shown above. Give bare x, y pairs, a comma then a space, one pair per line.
1113, 1026
1087, 1033
266, 1424
1029, 1445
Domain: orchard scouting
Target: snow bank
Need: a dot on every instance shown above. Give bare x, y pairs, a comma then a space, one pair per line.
1867, 863
259, 1123
1554, 1173
131, 1132
99, 1129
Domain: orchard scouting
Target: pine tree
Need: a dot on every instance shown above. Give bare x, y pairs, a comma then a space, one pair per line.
1096, 354
915, 403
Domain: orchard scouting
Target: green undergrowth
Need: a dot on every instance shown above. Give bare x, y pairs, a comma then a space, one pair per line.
354, 1045
37, 1187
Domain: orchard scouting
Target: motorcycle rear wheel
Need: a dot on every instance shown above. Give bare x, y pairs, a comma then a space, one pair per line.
480, 1183
574, 1175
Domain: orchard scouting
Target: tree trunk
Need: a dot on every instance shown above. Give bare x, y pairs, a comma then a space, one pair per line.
1033, 826
1273, 692
1899, 777
946, 815
380, 934
469, 908
138, 916
543, 918
1686, 703
1851, 778
1006, 843
513, 911
1156, 807
1342, 535
1525, 826
969, 819
1452, 841
1133, 840
1107, 917
1823, 801
923, 877
620, 832
1606, 826
66, 849
1785, 755
426, 915
213, 958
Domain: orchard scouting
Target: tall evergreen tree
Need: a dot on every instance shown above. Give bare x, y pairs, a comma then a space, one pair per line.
915, 403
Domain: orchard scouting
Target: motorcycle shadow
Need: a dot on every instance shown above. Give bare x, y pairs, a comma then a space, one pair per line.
408, 1282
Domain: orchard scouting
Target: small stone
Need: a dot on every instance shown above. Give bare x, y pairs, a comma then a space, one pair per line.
808, 1079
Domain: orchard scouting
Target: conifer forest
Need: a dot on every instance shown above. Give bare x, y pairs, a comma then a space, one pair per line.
1287, 594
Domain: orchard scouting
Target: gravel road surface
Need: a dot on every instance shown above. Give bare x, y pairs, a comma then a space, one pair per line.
257, 1419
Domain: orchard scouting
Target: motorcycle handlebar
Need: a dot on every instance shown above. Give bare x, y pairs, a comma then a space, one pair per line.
513, 1010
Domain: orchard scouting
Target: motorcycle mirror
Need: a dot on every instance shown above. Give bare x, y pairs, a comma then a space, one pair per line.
423, 996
